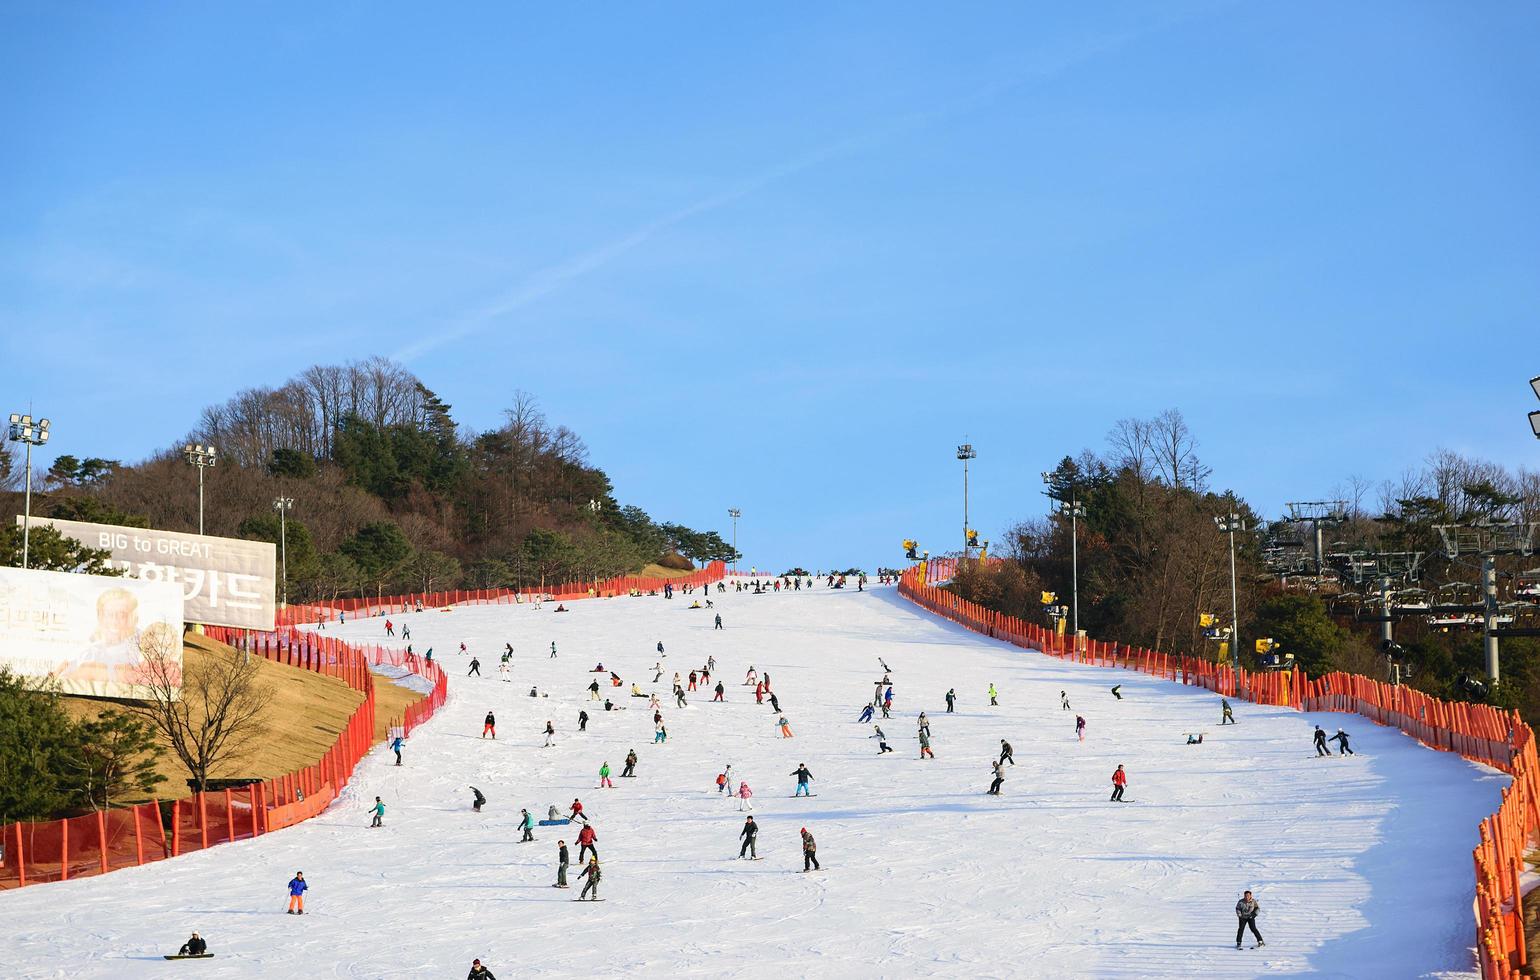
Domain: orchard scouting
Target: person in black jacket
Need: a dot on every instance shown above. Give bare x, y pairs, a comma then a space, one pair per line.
1246, 911
1320, 742
561, 864
478, 800
749, 832
1005, 753
194, 946
479, 972
1341, 738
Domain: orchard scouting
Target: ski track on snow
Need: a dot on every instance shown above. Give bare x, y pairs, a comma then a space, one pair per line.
1362, 865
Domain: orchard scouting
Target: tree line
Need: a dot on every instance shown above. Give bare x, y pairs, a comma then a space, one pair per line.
1152, 561
390, 492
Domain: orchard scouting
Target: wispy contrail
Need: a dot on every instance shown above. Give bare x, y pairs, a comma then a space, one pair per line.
545, 281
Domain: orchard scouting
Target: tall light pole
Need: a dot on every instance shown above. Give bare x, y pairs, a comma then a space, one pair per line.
1229, 524
283, 505
202, 457
735, 513
24, 430
1534, 417
1076, 510
965, 452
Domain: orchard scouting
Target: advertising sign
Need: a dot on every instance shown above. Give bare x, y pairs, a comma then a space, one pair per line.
224, 581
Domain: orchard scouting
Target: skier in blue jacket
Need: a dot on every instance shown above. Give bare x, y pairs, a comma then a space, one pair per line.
297, 887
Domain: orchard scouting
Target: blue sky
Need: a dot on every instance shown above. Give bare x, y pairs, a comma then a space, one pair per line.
785, 258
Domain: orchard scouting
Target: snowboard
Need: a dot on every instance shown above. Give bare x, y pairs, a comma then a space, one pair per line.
624, 776
805, 796
554, 823
192, 956
588, 900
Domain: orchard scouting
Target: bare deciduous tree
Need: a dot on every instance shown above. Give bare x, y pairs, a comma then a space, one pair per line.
209, 708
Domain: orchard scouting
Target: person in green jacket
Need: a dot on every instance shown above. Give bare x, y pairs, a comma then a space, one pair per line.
604, 776
379, 813
527, 824
992, 695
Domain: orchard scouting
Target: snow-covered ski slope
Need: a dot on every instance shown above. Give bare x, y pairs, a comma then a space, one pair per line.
1361, 864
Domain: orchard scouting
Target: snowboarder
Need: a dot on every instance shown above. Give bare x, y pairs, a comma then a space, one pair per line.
719, 692
692, 680
297, 889
527, 824
489, 727
775, 702
747, 834
477, 799
1080, 728
1246, 911
604, 776
561, 864
592, 874
1227, 717
660, 649
719, 622
479, 972
785, 727
743, 797
1063, 701
993, 695
999, 770
475, 668
803, 777
951, 700
924, 723
1320, 743
1341, 738
593, 691
379, 813
194, 947
1119, 782
395, 746
582, 720
585, 839
809, 852
882, 742
925, 751
1005, 753
550, 734
553, 650
630, 769
575, 813
406, 632
711, 662
502, 669
659, 734
1115, 689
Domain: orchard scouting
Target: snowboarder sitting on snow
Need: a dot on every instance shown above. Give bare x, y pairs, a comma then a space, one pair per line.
479, 972
1341, 738
552, 814
598, 669
636, 692
1320, 743
1246, 910
1194, 739
194, 946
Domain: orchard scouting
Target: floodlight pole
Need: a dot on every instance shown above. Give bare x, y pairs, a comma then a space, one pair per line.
735, 513
1229, 524
965, 452
1489, 614
24, 430
202, 457
282, 505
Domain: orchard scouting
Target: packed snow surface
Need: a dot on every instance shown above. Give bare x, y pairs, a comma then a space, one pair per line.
1361, 864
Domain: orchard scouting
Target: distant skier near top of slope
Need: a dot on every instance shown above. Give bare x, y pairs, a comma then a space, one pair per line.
1246, 911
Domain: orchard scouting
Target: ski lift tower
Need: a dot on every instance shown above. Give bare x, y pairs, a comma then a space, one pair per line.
1487, 539
1383, 568
1321, 514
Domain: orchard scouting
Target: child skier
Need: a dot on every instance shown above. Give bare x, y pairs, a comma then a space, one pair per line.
297, 889
1341, 738
743, 797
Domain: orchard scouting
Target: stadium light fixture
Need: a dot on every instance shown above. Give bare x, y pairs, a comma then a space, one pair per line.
25, 430
1534, 417
965, 452
1229, 524
283, 505
201, 456
735, 513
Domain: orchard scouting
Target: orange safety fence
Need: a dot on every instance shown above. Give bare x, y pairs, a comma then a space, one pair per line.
395, 605
95, 843
1493, 736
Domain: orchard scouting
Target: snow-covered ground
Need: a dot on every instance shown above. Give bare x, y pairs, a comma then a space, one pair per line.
1361, 864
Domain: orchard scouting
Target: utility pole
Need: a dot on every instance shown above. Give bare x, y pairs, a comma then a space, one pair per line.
735, 513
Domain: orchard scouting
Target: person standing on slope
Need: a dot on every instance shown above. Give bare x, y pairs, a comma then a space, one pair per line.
951, 700
604, 776
550, 734
1080, 728
1246, 911
1227, 717
475, 668
576, 814
582, 720
993, 695
1341, 738
747, 834
489, 727
593, 691
561, 864
630, 769
719, 692
585, 839
592, 874
775, 702
925, 751
379, 813
803, 778
743, 797
395, 746
527, 824
1119, 782
924, 723
1005, 753
719, 622
553, 650
1320, 743
785, 727
1063, 701
809, 852
297, 889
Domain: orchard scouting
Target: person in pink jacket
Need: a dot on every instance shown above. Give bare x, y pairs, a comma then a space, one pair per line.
743, 797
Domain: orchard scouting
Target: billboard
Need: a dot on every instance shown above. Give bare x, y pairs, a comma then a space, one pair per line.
224, 581
88, 632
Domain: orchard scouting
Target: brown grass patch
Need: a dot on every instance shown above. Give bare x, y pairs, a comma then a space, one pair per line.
659, 571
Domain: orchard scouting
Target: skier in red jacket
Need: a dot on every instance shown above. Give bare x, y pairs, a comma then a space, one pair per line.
1119, 780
